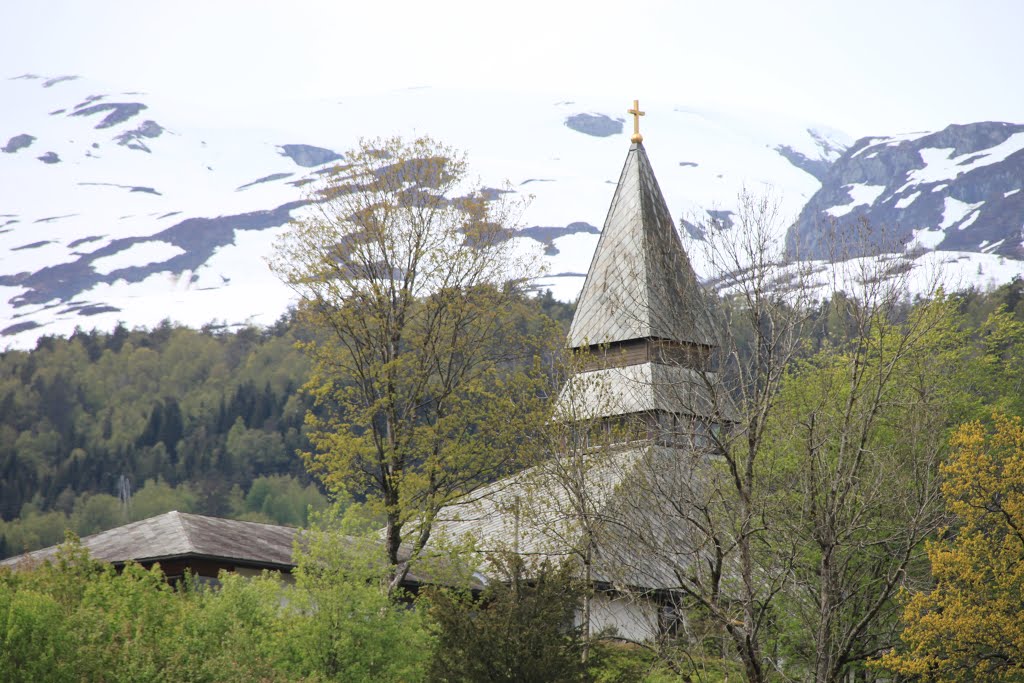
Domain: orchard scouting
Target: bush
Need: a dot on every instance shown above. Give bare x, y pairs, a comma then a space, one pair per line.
518, 629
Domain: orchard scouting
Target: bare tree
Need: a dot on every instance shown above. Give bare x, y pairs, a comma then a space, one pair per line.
803, 485
737, 569
861, 432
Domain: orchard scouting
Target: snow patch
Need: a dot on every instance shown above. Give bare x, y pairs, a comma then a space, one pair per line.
966, 224
860, 194
889, 141
955, 211
141, 254
941, 165
926, 238
907, 201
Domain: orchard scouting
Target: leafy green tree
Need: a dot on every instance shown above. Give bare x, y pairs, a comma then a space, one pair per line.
342, 625
34, 529
74, 619
76, 414
235, 632
255, 450
31, 637
279, 499
97, 512
1001, 341
857, 440
157, 497
407, 277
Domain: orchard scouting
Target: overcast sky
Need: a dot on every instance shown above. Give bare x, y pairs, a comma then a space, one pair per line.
863, 66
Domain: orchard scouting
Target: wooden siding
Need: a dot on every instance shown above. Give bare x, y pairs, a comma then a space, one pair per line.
636, 351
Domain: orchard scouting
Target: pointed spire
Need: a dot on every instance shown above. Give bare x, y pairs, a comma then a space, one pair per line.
640, 284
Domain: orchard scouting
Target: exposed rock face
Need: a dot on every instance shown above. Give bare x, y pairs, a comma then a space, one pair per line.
721, 218
309, 156
17, 142
119, 112
265, 179
958, 189
168, 223
33, 245
826, 147
816, 167
50, 82
598, 125
198, 238
130, 188
133, 139
547, 235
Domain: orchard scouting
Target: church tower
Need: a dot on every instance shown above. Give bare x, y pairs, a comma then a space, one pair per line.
642, 325
635, 422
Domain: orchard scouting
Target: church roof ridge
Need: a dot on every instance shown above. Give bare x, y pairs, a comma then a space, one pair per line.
640, 284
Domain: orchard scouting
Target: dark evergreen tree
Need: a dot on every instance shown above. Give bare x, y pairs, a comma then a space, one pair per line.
518, 630
151, 434
171, 427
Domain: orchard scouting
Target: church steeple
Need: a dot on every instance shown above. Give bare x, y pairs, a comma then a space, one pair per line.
640, 286
642, 322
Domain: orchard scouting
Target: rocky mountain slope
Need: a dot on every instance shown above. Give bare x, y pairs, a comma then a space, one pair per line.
956, 190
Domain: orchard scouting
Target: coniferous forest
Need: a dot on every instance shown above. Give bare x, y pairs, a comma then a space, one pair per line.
177, 418
207, 421
210, 421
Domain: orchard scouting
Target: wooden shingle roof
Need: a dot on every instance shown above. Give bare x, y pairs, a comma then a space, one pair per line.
188, 537
183, 535
644, 388
640, 283
533, 513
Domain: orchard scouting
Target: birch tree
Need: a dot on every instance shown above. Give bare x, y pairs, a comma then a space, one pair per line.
759, 323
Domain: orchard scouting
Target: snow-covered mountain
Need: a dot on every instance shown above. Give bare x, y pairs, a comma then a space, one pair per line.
119, 206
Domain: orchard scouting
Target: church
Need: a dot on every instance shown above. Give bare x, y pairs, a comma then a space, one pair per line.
633, 437
635, 416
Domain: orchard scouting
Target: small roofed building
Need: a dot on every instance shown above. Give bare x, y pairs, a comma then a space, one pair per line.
180, 542
204, 546
636, 418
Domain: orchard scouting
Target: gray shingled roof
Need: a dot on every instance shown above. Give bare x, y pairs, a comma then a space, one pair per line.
640, 283
180, 534
534, 514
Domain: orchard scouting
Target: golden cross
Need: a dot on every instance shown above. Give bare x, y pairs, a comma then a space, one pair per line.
635, 111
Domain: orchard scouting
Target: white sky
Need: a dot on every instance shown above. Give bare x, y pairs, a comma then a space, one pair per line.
863, 66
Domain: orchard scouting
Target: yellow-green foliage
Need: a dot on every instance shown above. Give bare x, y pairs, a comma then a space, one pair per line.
423, 373
969, 627
77, 620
